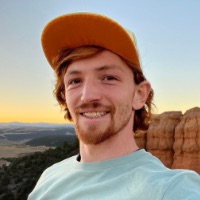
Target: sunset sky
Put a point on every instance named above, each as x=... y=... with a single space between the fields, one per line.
x=168 y=37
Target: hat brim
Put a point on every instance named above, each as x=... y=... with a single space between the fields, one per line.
x=85 y=29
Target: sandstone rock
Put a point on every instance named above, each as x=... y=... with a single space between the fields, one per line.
x=174 y=139
x=160 y=136
x=187 y=141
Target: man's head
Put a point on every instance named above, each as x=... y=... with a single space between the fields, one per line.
x=75 y=37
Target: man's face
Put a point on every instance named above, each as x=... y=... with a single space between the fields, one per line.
x=99 y=94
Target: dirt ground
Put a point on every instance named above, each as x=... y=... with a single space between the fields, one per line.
x=12 y=151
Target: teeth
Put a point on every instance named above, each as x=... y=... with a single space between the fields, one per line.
x=94 y=114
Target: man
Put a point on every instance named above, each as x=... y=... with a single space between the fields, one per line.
x=101 y=87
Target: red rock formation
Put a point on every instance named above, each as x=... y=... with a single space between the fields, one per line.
x=174 y=138
x=160 y=136
x=187 y=141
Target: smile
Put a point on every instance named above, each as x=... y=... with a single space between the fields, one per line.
x=94 y=114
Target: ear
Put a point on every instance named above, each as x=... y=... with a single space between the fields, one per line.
x=141 y=94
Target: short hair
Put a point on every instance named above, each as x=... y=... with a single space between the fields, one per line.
x=66 y=56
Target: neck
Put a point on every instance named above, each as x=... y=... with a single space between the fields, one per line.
x=119 y=145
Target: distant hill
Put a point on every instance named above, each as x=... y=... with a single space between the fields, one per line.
x=23 y=132
x=52 y=140
x=22 y=124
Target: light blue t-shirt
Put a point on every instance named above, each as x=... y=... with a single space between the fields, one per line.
x=136 y=176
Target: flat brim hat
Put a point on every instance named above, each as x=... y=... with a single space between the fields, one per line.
x=88 y=29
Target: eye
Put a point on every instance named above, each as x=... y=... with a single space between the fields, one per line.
x=109 y=78
x=74 y=82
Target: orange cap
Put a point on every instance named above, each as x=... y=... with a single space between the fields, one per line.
x=83 y=29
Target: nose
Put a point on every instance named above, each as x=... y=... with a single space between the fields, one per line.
x=90 y=92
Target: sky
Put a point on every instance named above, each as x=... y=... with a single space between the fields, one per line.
x=168 y=38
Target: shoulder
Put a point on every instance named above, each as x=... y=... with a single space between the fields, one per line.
x=184 y=184
x=152 y=166
x=164 y=182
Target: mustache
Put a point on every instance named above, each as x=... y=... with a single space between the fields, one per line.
x=92 y=105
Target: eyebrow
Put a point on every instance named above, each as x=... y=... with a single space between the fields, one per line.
x=107 y=67
x=72 y=72
x=99 y=69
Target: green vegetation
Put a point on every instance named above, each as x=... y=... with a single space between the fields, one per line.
x=52 y=140
x=19 y=178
